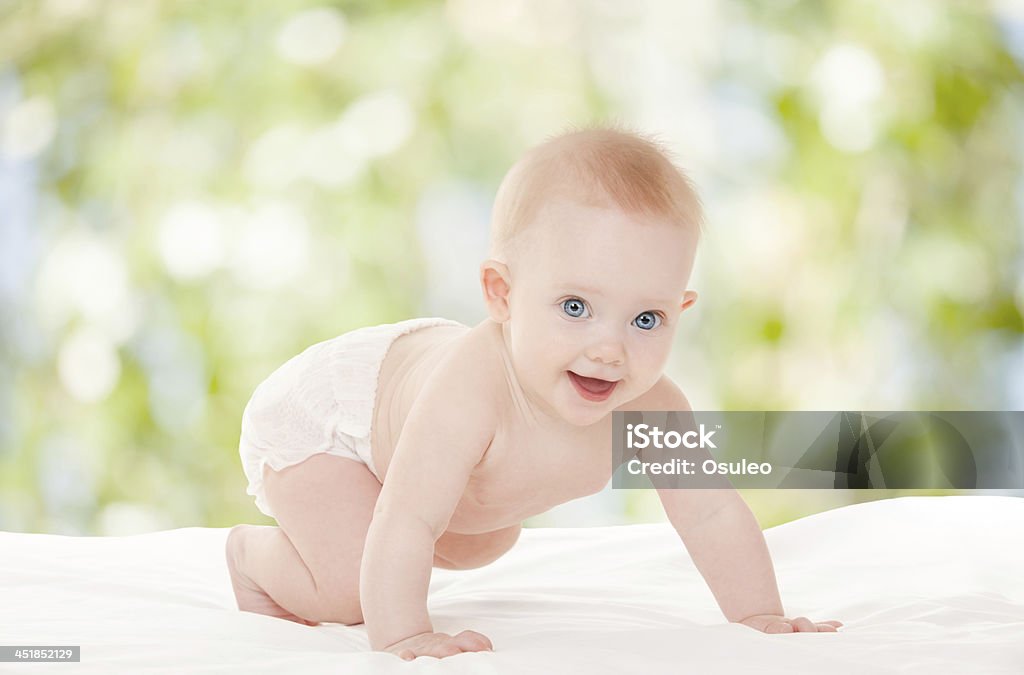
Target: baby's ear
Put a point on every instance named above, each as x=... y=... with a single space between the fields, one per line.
x=689 y=297
x=496 y=285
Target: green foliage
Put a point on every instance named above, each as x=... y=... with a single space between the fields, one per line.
x=871 y=259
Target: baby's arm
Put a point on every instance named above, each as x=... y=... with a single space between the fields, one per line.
x=727 y=546
x=445 y=435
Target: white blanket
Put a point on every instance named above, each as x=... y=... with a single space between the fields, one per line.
x=923 y=584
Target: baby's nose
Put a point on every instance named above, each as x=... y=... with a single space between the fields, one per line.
x=608 y=352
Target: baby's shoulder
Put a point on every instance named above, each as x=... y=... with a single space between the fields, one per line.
x=463 y=384
x=471 y=359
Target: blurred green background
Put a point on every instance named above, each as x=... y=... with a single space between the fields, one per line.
x=191 y=193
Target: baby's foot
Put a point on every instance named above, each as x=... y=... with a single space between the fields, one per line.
x=249 y=596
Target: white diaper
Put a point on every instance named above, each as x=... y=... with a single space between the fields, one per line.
x=319 y=401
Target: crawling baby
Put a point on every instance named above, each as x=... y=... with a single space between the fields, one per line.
x=393 y=449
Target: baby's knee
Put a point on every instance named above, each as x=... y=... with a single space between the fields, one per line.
x=234 y=545
x=463 y=552
x=335 y=604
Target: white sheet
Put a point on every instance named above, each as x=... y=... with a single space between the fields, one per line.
x=924 y=585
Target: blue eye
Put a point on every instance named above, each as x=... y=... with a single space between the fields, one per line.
x=574 y=307
x=647 y=321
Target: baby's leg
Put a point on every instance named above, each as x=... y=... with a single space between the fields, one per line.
x=309 y=566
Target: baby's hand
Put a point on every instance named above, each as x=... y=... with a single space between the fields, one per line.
x=773 y=623
x=440 y=645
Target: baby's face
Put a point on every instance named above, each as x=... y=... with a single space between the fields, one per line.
x=595 y=293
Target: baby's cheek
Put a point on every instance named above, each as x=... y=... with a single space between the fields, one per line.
x=650 y=364
x=651 y=351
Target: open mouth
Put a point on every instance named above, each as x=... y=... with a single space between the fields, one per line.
x=592 y=388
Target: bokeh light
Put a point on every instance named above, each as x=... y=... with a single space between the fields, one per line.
x=192 y=193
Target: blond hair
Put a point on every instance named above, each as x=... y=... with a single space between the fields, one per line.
x=593 y=166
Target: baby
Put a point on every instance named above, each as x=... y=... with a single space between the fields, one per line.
x=393 y=449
